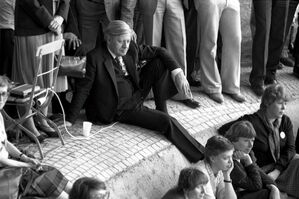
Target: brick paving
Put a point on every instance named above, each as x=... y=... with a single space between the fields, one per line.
x=113 y=150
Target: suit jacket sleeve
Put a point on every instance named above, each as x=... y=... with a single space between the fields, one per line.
x=148 y=53
x=287 y=149
x=63 y=9
x=83 y=87
x=37 y=12
x=72 y=20
x=41 y=14
x=127 y=11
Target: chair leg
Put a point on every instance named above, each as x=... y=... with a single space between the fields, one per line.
x=52 y=124
x=35 y=139
x=18 y=123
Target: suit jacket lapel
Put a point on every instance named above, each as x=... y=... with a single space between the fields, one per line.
x=110 y=68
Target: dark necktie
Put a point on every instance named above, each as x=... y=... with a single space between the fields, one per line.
x=121 y=65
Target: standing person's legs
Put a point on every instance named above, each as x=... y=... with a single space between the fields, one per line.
x=296 y=56
x=175 y=35
x=277 y=37
x=297 y=142
x=175 y=32
x=153 y=24
x=230 y=28
x=262 y=14
x=192 y=44
x=208 y=23
x=90 y=14
x=167 y=125
x=6 y=51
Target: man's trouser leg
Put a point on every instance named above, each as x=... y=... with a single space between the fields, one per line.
x=168 y=126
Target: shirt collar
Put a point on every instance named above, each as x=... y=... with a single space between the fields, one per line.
x=111 y=53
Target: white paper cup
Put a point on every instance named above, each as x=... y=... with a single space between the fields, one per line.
x=86 y=128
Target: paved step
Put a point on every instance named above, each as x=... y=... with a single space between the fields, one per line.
x=139 y=163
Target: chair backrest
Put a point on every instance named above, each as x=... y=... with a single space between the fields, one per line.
x=49 y=49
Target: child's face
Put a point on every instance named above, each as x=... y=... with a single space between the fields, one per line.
x=223 y=161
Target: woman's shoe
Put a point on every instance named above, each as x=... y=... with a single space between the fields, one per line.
x=47 y=129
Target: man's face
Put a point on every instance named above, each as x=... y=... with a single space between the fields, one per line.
x=223 y=161
x=119 y=45
x=3 y=96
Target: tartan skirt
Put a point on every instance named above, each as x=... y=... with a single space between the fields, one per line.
x=48 y=182
x=288 y=181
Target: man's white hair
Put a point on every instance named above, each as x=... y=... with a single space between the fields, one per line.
x=116 y=28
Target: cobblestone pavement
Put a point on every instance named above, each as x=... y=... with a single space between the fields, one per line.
x=111 y=150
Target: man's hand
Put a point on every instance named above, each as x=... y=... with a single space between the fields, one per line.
x=74 y=41
x=274 y=174
x=134 y=36
x=55 y=25
x=182 y=85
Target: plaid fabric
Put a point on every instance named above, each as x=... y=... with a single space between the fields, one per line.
x=42 y=184
x=288 y=181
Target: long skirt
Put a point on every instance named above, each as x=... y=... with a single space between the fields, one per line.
x=288 y=181
x=25 y=62
x=49 y=182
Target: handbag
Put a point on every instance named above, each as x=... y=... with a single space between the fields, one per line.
x=47 y=182
x=9 y=182
x=72 y=66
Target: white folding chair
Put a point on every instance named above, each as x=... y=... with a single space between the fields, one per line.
x=43 y=95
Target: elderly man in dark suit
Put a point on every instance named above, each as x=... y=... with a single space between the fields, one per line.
x=120 y=74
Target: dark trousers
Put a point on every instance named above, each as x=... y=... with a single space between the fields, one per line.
x=156 y=76
x=296 y=55
x=297 y=142
x=262 y=193
x=6 y=51
x=268 y=40
x=296 y=51
x=192 y=47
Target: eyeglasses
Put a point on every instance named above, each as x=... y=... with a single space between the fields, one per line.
x=101 y=194
x=4 y=94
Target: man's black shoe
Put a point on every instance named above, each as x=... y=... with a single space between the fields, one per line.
x=296 y=71
x=194 y=83
x=269 y=81
x=190 y=103
x=287 y=61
